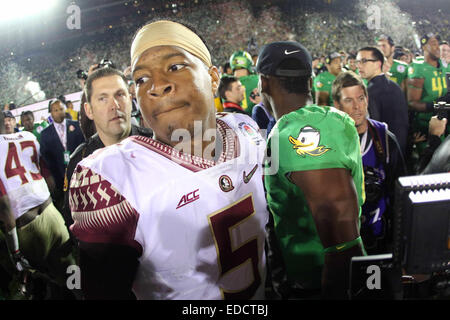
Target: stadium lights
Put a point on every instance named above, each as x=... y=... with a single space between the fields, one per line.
x=11 y=10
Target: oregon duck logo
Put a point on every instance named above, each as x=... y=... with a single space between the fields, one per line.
x=307 y=142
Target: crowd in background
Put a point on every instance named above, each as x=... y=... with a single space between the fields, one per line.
x=233 y=31
x=228 y=26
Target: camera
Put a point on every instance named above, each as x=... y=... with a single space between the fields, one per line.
x=81 y=74
x=373 y=184
x=254 y=95
x=106 y=63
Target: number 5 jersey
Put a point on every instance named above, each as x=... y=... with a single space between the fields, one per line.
x=198 y=225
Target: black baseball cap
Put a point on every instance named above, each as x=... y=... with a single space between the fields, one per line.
x=8 y=114
x=398 y=54
x=385 y=37
x=424 y=39
x=273 y=54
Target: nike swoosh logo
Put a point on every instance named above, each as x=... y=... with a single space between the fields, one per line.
x=250 y=174
x=287 y=52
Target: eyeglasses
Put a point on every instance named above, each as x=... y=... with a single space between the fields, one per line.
x=364 y=61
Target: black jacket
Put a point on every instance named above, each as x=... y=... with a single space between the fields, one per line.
x=387 y=103
x=83 y=151
x=436 y=157
x=52 y=150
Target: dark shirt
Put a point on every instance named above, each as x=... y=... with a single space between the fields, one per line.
x=84 y=150
x=263 y=118
x=387 y=103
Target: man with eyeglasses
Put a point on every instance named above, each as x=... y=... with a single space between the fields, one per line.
x=387 y=102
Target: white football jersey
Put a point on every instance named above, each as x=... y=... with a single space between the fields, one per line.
x=199 y=225
x=20 y=177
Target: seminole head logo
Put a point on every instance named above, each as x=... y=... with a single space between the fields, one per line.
x=307 y=142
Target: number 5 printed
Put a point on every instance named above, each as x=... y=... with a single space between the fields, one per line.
x=231 y=258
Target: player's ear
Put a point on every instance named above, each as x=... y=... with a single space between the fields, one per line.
x=88 y=110
x=336 y=105
x=215 y=78
x=263 y=84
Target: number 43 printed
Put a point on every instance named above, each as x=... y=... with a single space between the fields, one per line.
x=13 y=166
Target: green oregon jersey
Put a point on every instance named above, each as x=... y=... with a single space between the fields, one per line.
x=434 y=86
x=37 y=129
x=250 y=82
x=323 y=82
x=398 y=71
x=310 y=138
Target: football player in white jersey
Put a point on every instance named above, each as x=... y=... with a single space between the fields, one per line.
x=183 y=215
x=34 y=230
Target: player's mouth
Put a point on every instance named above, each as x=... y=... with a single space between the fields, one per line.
x=118 y=118
x=165 y=110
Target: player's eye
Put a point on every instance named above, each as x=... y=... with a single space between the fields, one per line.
x=141 y=80
x=176 y=67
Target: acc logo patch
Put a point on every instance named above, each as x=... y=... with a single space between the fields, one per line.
x=411 y=71
x=319 y=84
x=250 y=132
x=225 y=183
x=307 y=143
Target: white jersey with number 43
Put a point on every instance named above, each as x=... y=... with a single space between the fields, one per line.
x=20 y=177
x=198 y=225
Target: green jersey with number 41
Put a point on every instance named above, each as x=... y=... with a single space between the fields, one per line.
x=309 y=138
x=434 y=86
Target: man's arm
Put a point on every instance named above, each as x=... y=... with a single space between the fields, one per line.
x=414 y=93
x=436 y=128
x=106 y=230
x=107 y=271
x=332 y=198
x=8 y=223
x=6 y=215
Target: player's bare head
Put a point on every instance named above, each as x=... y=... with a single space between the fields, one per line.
x=386 y=45
x=286 y=65
x=174 y=76
x=430 y=45
x=56 y=109
x=350 y=95
x=98 y=74
x=108 y=104
x=27 y=120
x=345 y=80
